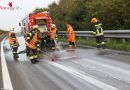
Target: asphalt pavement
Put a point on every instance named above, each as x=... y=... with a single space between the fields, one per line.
x=82 y=69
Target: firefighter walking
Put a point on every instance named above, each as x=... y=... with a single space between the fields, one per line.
x=71 y=36
x=98 y=33
x=34 y=46
x=14 y=44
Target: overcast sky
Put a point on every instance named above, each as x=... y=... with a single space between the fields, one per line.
x=10 y=18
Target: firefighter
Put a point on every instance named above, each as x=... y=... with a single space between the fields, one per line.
x=71 y=36
x=48 y=40
x=14 y=44
x=29 y=36
x=11 y=31
x=34 y=46
x=98 y=33
x=54 y=36
x=43 y=38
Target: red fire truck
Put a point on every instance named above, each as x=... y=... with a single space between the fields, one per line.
x=40 y=19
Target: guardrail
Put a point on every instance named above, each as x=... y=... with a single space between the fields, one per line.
x=121 y=34
x=108 y=34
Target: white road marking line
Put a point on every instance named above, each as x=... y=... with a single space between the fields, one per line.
x=112 y=71
x=89 y=79
x=5 y=73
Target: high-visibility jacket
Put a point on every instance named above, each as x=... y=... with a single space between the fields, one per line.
x=29 y=36
x=71 y=36
x=13 y=41
x=98 y=31
x=34 y=43
x=53 y=33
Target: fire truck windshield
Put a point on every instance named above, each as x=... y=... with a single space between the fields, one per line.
x=41 y=22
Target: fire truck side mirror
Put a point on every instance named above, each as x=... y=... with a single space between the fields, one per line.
x=19 y=24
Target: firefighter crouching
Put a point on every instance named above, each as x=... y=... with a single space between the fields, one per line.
x=54 y=36
x=14 y=44
x=34 y=46
x=71 y=36
x=29 y=36
x=98 y=33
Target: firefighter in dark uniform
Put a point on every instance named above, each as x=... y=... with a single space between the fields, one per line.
x=29 y=36
x=34 y=46
x=98 y=33
x=43 y=38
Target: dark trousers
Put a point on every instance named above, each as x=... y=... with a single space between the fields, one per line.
x=27 y=51
x=72 y=43
x=100 y=40
x=14 y=50
x=49 y=44
x=43 y=44
x=32 y=54
x=52 y=43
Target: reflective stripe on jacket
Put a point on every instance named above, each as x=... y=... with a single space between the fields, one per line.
x=98 y=31
x=13 y=41
x=34 y=43
x=29 y=36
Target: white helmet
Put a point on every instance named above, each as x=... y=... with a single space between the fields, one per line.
x=12 y=29
x=53 y=26
x=35 y=26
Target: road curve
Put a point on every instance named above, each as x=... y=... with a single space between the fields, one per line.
x=82 y=69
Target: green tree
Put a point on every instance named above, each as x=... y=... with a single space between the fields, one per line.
x=114 y=14
x=39 y=10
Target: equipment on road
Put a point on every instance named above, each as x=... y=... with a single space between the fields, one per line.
x=46 y=53
x=57 y=46
x=70 y=50
x=22 y=52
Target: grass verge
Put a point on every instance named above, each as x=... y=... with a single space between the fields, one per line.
x=112 y=44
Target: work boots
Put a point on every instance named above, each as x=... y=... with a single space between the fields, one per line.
x=36 y=60
x=33 y=61
x=70 y=46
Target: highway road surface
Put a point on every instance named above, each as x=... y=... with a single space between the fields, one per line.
x=82 y=69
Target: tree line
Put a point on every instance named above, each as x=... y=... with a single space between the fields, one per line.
x=114 y=14
x=3 y=32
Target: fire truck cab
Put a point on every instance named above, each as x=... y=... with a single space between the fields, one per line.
x=43 y=20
